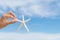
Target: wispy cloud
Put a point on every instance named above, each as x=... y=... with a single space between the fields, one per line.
x=42 y=8
x=29 y=36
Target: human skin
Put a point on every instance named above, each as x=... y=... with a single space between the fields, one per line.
x=4 y=19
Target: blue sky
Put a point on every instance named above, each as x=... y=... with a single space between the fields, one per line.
x=44 y=14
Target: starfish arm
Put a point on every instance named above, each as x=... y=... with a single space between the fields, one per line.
x=27 y=20
x=19 y=27
x=26 y=27
x=23 y=17
x=19 y=20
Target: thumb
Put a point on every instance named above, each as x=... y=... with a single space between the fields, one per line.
x=13 y=21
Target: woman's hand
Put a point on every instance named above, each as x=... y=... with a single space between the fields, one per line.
x=4 y=20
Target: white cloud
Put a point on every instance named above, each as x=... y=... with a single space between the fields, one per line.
x=40 y=8
x=29 y=36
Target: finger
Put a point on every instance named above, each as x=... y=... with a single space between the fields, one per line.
x=11 y=13
x=8 y=16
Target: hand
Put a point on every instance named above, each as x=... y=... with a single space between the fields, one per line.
x=4 y=20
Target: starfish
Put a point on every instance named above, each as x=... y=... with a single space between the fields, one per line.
x=23 y=23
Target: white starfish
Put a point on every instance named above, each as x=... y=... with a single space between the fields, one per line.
x=23 y=23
